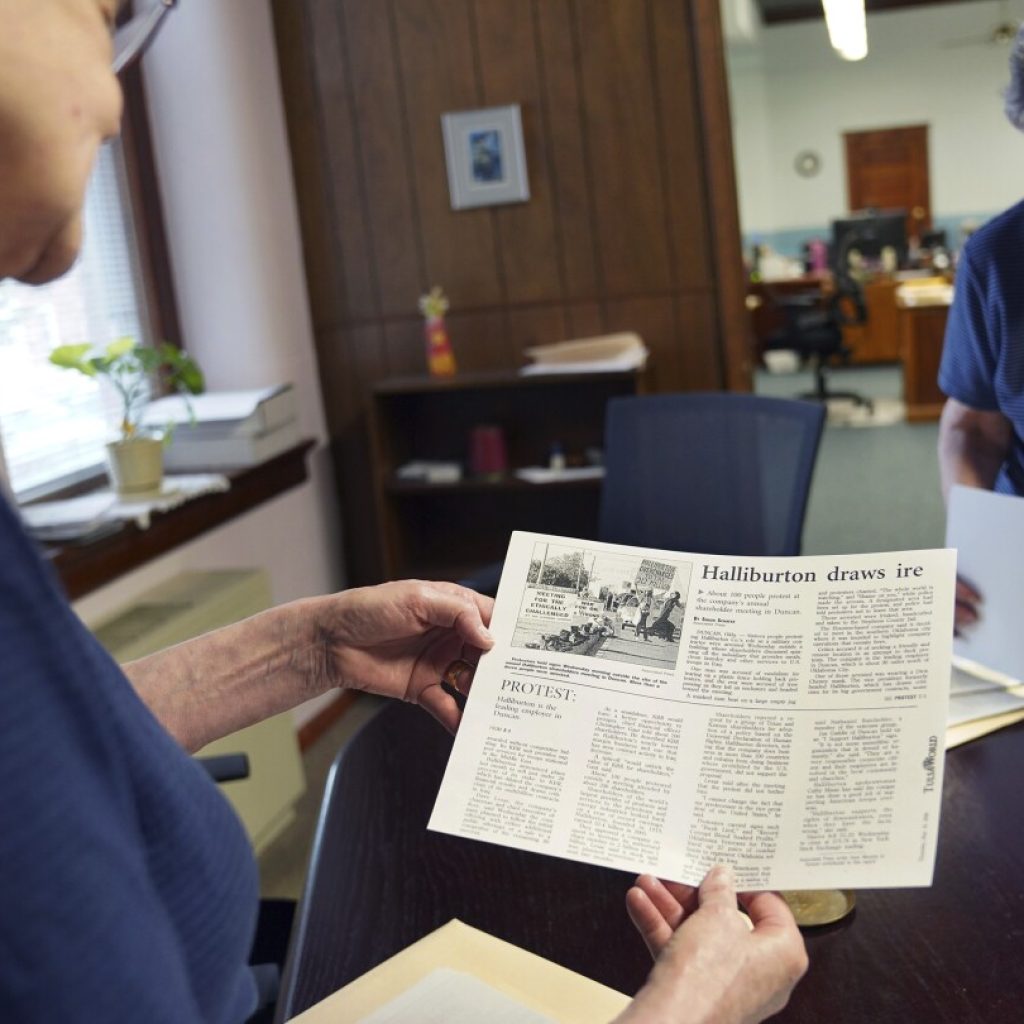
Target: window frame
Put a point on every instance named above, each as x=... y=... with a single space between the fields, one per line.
x=153 y=256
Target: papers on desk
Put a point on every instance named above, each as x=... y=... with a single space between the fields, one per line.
x=459 y=975
x=989 y=656
x=608 y=353
x=94 y=515
x=930 y=291
x=545 y=475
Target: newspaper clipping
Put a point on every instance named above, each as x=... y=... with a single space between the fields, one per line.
x=658 y=711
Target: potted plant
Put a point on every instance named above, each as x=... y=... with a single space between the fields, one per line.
x=135 y=460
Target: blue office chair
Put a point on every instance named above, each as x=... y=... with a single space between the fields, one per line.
x=712 y=473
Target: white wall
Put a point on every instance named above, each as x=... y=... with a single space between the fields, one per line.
x=225 y=173
x=791 y=93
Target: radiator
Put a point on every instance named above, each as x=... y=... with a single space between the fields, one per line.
x=182 y=608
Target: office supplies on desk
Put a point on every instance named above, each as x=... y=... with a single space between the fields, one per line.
x=508 y=977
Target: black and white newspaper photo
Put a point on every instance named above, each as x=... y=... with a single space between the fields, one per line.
x=663 y=711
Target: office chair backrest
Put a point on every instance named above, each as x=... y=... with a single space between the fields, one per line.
x=847 y=303
x=711 y=473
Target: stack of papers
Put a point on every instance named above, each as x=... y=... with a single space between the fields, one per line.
x=608 y=353
x=929 y=291
x=77 y=519
x=546 y=475
x=95 y=515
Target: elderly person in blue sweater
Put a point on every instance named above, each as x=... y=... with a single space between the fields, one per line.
x=128 y=890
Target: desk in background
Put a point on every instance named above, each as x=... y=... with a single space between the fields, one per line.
x=922 y=311
x=378 y=881
x=877 y=340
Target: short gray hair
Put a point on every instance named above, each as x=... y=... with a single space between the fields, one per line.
x=1013 y=96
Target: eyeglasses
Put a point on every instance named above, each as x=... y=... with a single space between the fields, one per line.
x=132 y=38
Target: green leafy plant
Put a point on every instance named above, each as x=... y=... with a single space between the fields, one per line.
x=131 y=368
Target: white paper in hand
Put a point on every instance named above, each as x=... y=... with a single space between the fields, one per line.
x=986 y=529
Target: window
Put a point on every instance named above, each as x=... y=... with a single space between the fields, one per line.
x=54 y=423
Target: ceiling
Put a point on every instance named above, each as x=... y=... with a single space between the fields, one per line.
x=775 y=11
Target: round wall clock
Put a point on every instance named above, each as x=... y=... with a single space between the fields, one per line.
x=807 y=163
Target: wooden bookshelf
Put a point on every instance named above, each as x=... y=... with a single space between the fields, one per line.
x=445 y=530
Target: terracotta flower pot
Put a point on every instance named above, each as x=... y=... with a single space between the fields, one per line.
x=137 y=466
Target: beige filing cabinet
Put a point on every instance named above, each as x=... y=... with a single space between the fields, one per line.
x=185 y=607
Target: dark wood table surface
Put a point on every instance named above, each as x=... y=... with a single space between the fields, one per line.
x=379 y=881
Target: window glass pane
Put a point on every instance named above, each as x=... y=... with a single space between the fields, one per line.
x=55 y=422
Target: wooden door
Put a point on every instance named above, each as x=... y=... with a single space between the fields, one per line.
x=888 y=169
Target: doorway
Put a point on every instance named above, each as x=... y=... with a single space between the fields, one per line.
x=887 y=169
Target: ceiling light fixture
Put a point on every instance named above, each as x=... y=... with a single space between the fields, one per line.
x=847 y=28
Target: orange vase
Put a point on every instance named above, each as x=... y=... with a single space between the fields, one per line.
x=440 y=357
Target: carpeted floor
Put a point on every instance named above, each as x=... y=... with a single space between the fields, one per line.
x=874 y=490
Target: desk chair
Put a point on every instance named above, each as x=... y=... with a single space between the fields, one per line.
x=274 y=922
x=714 y=473
x=815 y=331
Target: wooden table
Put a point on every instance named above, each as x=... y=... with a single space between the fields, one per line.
x=378 y=881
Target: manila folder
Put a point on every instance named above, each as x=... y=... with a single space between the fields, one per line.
x=536 y=983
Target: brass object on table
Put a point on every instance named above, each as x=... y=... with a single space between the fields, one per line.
x=813 y=907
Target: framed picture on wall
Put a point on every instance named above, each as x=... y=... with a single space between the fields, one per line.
x=485 y=157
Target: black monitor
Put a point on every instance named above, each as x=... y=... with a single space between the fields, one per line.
x=869 y=232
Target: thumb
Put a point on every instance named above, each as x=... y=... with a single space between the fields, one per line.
x=459 y=609
x=718 y=888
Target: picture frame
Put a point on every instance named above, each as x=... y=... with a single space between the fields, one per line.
x=485 y=157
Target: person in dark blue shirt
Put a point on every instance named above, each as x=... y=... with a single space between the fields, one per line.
x=981 y=431
x=127 y=887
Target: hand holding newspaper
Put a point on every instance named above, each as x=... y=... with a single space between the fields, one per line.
x=660 y=711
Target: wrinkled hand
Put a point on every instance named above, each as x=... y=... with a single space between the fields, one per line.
x=711 y=963
x=398 y=639
x=966 y=611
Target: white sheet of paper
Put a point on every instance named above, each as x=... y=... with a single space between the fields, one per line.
x=987 y=529
x=966 y=707
x=453 y=997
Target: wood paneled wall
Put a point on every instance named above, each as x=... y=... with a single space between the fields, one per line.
x=632 y=221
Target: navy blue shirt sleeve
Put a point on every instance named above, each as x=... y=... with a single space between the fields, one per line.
x=970 y=352
x=127 y=887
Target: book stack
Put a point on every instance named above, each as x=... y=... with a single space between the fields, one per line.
x=226 y=429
